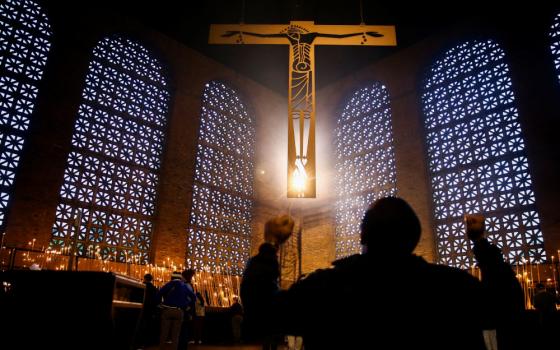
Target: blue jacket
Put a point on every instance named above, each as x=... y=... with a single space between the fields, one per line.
x=177 y=293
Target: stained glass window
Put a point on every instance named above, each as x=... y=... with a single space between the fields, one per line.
x=476 y=155
x=365 y=162
x=24 y=44
x=113 y=168
x=555 y=46
x=222 y=201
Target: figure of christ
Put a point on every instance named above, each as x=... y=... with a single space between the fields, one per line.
x=301 y=106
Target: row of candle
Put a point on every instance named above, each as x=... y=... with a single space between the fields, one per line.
x=218 y=287
x=529 y=275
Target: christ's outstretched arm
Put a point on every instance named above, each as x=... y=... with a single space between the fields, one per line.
x=235 y=32
x=374 y=34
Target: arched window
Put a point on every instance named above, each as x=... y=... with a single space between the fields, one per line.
x=24 y=44
x=365 y=162
x=222 y=201
x=113 y=168
x=477 y=155
x=555 y=46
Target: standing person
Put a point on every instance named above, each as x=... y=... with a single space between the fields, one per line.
x=177 y=297
x=258 y=289
x=501 y=287
x=236 y=312
x=198 y=322
x=188 y=312
x=545 y=303
x=146 y=333
x=415 y=304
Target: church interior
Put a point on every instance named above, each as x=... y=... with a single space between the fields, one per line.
x=130 y=143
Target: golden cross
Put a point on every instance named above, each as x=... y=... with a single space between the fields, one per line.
x=302 y=38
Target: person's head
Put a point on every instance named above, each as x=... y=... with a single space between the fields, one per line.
x=235 y=299
x=148 y=278
x=176 y=275
x=390 y=227
x=268 y=250
x=188 y=274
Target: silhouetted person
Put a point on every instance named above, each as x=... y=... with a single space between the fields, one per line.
x=147 y=329
x=259 y=287
x=544 y=302
x=395 y=299
x=198 y=321
x=500 y=285
x=236 y=312
x=189 y=311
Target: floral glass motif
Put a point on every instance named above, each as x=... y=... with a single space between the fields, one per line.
x=113 y=168
x=555 y=46
x=222 y=201
x=365 y=162
x=477 y=157
x=24 y=44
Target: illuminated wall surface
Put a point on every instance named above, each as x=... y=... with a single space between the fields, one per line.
x=555 y=46
x=365 y=162
x=112 y=171
x=476 y=155
x=24 y=45
x=222 y=202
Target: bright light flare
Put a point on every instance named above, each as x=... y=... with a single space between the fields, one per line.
x=299 y=179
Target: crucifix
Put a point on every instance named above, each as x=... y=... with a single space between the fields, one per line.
x=302 y=36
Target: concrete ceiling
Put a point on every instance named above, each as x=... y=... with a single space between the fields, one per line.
x=188 y=22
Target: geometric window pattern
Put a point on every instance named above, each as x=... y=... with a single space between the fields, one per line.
x=365 y=162
x=555 y=46
x=112 y=170
x=24 y=44
x=477 y=157
x=222 y=201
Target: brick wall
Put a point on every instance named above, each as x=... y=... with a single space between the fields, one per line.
x=536 y=89
x=40 y=176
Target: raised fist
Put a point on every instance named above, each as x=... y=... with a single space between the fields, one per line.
x=474 y=224
x=277 y=230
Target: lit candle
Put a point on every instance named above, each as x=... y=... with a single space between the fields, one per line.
x=532 y=279
x=554 y=275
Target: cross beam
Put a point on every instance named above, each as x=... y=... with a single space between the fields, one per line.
x=302 y=36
